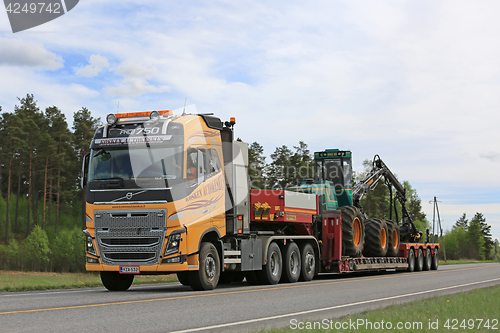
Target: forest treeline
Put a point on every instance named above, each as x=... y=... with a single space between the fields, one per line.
x=42 y=205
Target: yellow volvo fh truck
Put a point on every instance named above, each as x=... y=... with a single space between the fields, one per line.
x=160 y=197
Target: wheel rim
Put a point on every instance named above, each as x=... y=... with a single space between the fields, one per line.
x=420 y=257
x=274 y=263
x=383 y=238
x=210 y=267
x=294 y=263
x=357 y=231
x=395 y=239
x=310 y=262
x=428 y=257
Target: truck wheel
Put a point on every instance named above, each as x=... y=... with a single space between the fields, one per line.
x=427 y=260
x=393 y=243
x=376 y=244
x=411 y=260
x=419 y=263
x=435 y=260
x=292 y=263
x=271 y=272
x=353 y=231
x=207 y=276
x=114 y=281
x=183 y=278
x=308 y=259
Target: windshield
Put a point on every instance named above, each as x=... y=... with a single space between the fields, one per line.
x=133 y=163
x=339 y=171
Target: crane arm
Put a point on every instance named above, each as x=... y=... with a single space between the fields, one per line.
x=408 y=229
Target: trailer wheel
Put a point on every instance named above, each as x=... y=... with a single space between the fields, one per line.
x=114 y=281
x=419 y=263
x=435 y=260
x=308 y=259
x=208 y=274
x=292 y=263
x=376 y=243
x=271 y=272
x=411 y=260
x=183 y=278
x=427 y=260
x=393 y=233
x=353 y=231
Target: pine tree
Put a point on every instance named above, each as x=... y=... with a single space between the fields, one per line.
x=256 y=166
x=84 y=126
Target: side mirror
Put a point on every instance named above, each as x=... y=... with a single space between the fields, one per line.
x=85 y=170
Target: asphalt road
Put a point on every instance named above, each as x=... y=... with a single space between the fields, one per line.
x=235 y=307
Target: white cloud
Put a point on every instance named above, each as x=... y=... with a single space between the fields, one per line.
x=96 y=64
x=135 y=81
x=18 y=52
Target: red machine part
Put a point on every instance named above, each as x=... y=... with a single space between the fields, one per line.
x=282 y=206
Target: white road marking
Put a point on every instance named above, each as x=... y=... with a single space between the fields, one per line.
x=327 y=308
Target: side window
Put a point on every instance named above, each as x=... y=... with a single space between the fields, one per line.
x=212 y=162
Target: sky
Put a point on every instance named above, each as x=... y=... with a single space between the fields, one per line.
x=417 y=82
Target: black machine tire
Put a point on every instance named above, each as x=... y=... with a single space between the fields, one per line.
x=435 y=260
x=419 y=263
x=393 y=235
x=308 y=262
x=114 y=281
x=271 y=272
x=183 y=278
x=353 y=231
x=208 y=273
x=292 y=263
x=427 y=260
x=376 y=243
x=411 y=260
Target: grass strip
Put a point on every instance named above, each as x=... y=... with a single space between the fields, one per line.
x=472 y=311
x=24 y=281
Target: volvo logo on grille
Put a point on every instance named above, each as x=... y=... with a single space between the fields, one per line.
x=129 y=195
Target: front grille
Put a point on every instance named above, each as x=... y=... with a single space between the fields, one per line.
x=127 y=256
x=130 y=241
x=130 y=237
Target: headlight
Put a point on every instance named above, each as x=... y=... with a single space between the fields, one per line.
x=89 y=244
x=173 y=244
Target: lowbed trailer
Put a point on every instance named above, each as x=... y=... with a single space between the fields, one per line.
x=170 y=193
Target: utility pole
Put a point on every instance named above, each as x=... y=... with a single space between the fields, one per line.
x=436 y=209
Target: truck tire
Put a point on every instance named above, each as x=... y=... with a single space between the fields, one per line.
x=393 y=243
x=183 y=278
x=427 y=260
x=271 y=272
x=376 y=243
x=308 y=262
x=411 y=260
x=292 y=263
x=419 y=263
x=208 y=273
x=353 y=231
x=114 y=281
x=435 y=260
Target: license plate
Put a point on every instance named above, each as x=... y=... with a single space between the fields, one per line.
x=129 y=270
